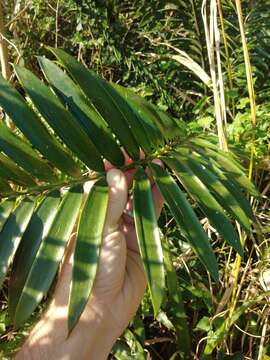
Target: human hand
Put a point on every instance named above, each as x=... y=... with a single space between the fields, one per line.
x=118 y=289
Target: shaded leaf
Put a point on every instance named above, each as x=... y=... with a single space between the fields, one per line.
x=60 y=119
x=186 y=218
x=207 y=202
x=6 y=207
x=104 y=98
x=91 y=121
x=33 y=129
x=24 y=155
x=12 y=232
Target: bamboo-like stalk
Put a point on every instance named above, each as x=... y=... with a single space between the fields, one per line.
x=243 y=237
x=212 y=42
x=5 y=67
x=227 y=53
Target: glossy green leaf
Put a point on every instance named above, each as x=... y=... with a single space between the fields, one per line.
x=121 y=351
x=207 y=202
x=186 y=218
x=33 y=129
x=33 y=236
x=148 y=237
x=220 y=192
x=87 y=250
x=146 y=117
x=6 y=207
x=136 y=348
x=104 y=98
x=12 y=232
x=11 y=171
x=24 y=155
x=48 y=256
x=62 y=121
x=91 y=121
x=229 y=164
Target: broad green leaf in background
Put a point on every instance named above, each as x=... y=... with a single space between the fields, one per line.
x=33 y=236
x=33 y=129
x=62 y=121
x=148 y=237
x=12 y=232
x=104 y=98
x=186 y=218
x=87 y=250
x=91 y=121
x=48 y=256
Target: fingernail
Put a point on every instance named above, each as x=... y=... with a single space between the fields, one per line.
x=113 y=177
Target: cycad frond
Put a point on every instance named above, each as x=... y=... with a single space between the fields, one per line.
x=77 y=123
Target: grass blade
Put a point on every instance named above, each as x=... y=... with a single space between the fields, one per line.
x=87 y=250
x=148 y=237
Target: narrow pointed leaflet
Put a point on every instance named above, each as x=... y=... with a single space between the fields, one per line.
x=87 y=250
x=207 y=202
x=33 y=236
x=12 y=232
x=148 y=237
x=104 y=98
x=92 y=122
x=186 y=218
x=49 y=255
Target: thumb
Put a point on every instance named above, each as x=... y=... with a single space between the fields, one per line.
x=118 y=193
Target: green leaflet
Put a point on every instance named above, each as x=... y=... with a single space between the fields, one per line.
x=5 y=209
x=33 y=129
x=4 y=187
x=146 y=117
x=226 y=179
x=186 y=218
x=12 y=232
x=48 y=256
x=24 y=155
x=62 y=122
x=33 y=236
x=91 y=121
x=148 y=237
x=219 y=191
x=10 y=171
x=207 y=202
x=229 y=164
x=175 y=299
x=87 y=250
x=104 y=98
x=121 y=351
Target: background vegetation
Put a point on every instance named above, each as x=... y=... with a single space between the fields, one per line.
x=141 y=44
